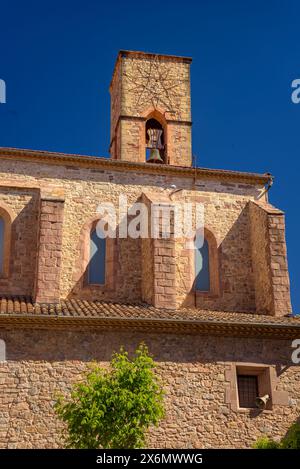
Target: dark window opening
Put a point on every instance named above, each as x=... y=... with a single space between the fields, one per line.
x=155 y=141
x=202 y=281
x=1 y=244
x=247 y=390
x=96 y=267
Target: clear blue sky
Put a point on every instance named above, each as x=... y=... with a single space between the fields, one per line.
x=57 y=58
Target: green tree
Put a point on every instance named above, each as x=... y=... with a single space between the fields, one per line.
x=292 y=438
x=113 y=408
x=265 y=443
x=290 y=441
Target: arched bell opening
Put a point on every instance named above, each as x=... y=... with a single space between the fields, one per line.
x=155 y=142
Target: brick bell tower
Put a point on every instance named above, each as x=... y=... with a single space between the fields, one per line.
x=151 y=109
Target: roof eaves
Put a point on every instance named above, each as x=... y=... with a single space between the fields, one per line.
x=47 y=157
x=159 y=325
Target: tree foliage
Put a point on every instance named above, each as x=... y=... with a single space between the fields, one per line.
x=266 y=443
x=290 y=441
x=113 y=408
x=292 y=438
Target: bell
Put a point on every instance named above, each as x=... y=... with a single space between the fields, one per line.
x=261 y=402
x=155 y=145
x=155 y=138
x=155 y=156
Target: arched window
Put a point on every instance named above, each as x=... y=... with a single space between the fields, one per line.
x=6 y=219
x=2 y=351
x=155 y=141
x=97 y=260
x=202 y=268
x=207 y=270
x=2 y=228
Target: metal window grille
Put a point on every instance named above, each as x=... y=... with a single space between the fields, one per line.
x=248 y=390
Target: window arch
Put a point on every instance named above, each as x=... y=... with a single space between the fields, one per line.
x=6 y=218
x=2 y=351
x=155 y=137
x=97 y=259
x=86 y=278
x=2 y=229
x=202 y=268
x=206 y=265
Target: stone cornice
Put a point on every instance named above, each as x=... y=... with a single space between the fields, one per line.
x=202 y=327
x=143 y=119
x=152 y=55
x=83 y=161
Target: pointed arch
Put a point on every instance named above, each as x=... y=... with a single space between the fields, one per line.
x=155 y=118
x=6 y=220
x=90 y=277
x=2 y=351
x=206 y=266
x=96 y=270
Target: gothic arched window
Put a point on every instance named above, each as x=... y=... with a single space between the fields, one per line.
x=97 y=259
x=206 y=264
x=2 y=228
x=202 y=268
x=155 y=141
x=2 y=351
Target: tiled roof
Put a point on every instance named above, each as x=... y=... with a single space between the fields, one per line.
x=20 y=311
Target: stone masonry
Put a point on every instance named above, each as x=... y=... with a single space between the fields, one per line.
x=49 y=201
x=150 y=85
x=269 y=259
x=47 y=287
x=42 y=364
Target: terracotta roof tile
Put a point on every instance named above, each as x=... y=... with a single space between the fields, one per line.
x=19 y=311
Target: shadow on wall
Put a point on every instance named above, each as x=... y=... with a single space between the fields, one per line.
x=20 y=245
x=74 y=345
x=235 y=276
x=124 y=270
x=123 y=267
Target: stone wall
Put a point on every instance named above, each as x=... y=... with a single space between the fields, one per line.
x=269 y=260
x=21 y=205
x=193 y=370
x=226 y=216
x=48 y=270
x=228 y=221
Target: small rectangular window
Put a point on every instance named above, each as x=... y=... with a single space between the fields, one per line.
x=247 y=390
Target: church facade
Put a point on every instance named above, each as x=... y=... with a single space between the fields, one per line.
x=222 y=334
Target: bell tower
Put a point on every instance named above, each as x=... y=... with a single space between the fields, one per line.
x=151 y=109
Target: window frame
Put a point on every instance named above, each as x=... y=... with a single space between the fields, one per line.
x=208 y=268
x=2 y=351
x=91 y=284
x=255 y=378
x=7 y=217
x=267 y=384
x=214 y=268
x=81 y=285
x=158 y=115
